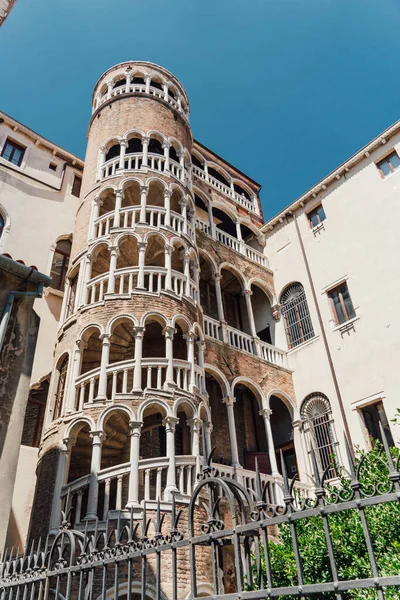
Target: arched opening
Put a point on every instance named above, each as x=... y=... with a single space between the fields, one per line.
x=138 y=78
x=179 y=343
x=60 y=374
x=250 y=430
x=107 y=204
x=59 y=266
x=91 y=356
x=218 y=176
x=155 y=194
x=241 y=191
x=282 y=433
x=131 y=197
x=175 y=201
x=135 y=144
x=154 y=371
x=224 y=222
x=100 y=260
x=173 y=92
x=122 y=348
x=262 y=312
x=155 y=251
x=113 y=152
x=220 y=439
x=318 y=422
x=174 y=152
x=125 y=281
x=153 y=445
x=208 y=294
x=233 y=300
x=177 y=257
x=156 y=83
x=201 y=209
x=296 y=315
x=198 y=162
x=182 y=432
x=155 y=146
x=79 y=466
x=119 y=82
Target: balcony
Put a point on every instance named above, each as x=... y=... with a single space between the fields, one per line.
x=244 y=342
x=155 y=162
x=231 y=242
x=250 y=205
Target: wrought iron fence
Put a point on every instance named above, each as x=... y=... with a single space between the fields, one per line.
x=229 y=543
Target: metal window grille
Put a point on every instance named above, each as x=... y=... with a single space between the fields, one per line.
x=223 y=534
x=298 y=325
x=318 y=425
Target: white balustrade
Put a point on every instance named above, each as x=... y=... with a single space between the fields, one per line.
x=97 y=288
x=203 y=226
x=212 y=328
x=273 y=354
x=228 y=240
x=156 y=162
x=240 y=340
x=255 y=256
x=225 y=189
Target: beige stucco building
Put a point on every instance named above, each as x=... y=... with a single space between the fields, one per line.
x=177 y=321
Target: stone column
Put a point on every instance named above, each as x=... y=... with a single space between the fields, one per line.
x=168 y=265
x=195 y=429
x=266 y=414
x=190 y=338
x=97 y=202
x=143 y=203
x=196 y=278
x=98 y=438
x=88 y=275
x=201 y=346
x=102 y=160
x=145 y=142
x=137 y=373
x=133 y=496
x=170 y=424
x=211 y=220
x=128 y=82
x=61 y=479
x=183 y=203
x=148 y=81
x=229 y=402
x=117 y=211
x=141 y=260
x=186 y=272
x=113 y=265
x=105 y=359
x=218 y=293
x=169 y=333
x=181 y=156
x=67 y=291
x=123 y=146
x=249 y=307
x=76 y=367
x=167 y=206
x=109 y=89
x=166 y=147
x=165 y=87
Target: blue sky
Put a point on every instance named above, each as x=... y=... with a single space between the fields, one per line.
x=284 y=89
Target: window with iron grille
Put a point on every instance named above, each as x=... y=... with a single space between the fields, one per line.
x=62 y=378
x=60 y=264
x=13 y=152
x=72 y=297
x=318 y=427
x=294 y=307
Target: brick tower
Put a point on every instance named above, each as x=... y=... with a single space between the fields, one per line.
x=168 y=329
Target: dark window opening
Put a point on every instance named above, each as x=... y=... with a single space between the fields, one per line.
x=156 y=84
x=76 y=186
x=2 y=224
x=119 y=83
x=60 y=393
x=138 y=79
x=373 y=415
x=134 y=145
x=217 y=175
x=224 y=222
x=197 y=163
x=316 y=216
x=265 y=335
x=341 y=303
x=53 y=166
x=389 y=164
x=72 y=297
x=60 y=264
x=113 y=152
x=239 y=190
x=13 y=152
x=34 y=415
x=173 y=154
x=155 y=147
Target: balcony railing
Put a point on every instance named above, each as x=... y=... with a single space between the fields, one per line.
x=244 y=342
x=155 y=280
x=250 y=205
x=155 y=217
x=155 y=162
x=120 y=378
x=231 y=242
x=114 y=482
x=140 y=88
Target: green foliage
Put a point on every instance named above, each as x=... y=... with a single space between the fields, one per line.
x=347 y=536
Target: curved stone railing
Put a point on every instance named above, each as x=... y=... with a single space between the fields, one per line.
x=136 y=162
x=250 y=205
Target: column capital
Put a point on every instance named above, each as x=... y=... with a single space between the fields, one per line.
x=201 y=345
x=190 y=336
x=247 y=293
x=169 y=331
x=67 y=443
x=135 y=427
x=168 y=249
x=229 y=400
x=217 y=276
x=105 y=337
x=114 y=250
x=262 y=240
x=144 y=188
x=183 y=202
x=276 y=311
x=98 y=201
x=88 y=257
x=195 y=424
x=166 y=145
x=142 y=246
x=124 y=143
x=146 y=139
x=170 y=423
x=167 y=193
x=266 y=413
x=139 y=332
x=80 y=345
x=98 y=437
x=119 y=193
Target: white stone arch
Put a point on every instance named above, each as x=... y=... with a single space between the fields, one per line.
x=220 y=377
x=203 y=406
x=60 y=238
x=150 y=180
x=157 y=134
x=228 y=210
x=265 y=288
x=229 y=267
x=109 y=142
x=159 y=402
x=106 y=187
x=7 y=226
x=159 y=234
x=186 y=401
x=252 y=385
x=243 y=185
x=209 y=259
x=84 y=420
x=202 y=194
x=179 y=241
x=90 y=328
x=176 y=143
x=126 y=181
x=287 y=285
x=198 y=331
x=286 y=399
x=114 y=320
x=181 y=317
x=125 y=234
x=109 y=410
x=96 y=245
x=131 y=133
x=199 y=156
x=220 y=170
x=162 y=319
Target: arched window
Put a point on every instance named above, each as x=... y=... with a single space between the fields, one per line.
x=295 y=311
x=318 y=426
x=60 y=264
x=60 y=393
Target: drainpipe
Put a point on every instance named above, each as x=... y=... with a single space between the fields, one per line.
x=324 y=338
x=8 y=308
